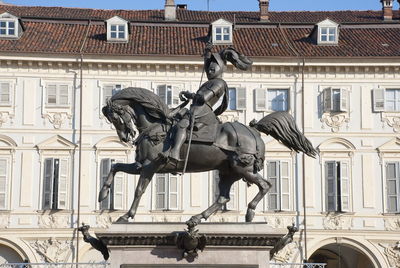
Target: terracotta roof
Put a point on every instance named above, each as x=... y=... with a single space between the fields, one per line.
x=195 y=16
x=160 y=39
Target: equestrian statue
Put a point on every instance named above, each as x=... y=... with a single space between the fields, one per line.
x=182 y=140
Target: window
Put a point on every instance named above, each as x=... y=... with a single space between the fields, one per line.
x=272 y=99
x=55 y=183
x=117 y=29
x=169 y=94
x=115 y=198
x=109 y=91
x=386 y=100
x=5 y=93
x=393 y=187
x=337 y=186
x=279 y=195
x=4 y=179
x=327 y=32
x=166 y=191
x=7 y=28
x=221 y=31
x=57 y=95
x=237 y=98
x=232 y=204
x=335 y=99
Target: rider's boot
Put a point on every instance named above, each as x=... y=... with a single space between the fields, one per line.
x=180 y=137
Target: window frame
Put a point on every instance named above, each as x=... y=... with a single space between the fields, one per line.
x=380 y=99
x=397 y=184
x=6 y=156
x=171 y=94
x=329 y=101
x=240 y=98
x=117 y=21
x=262 y=95
x=10 y=93
x=118 y=179
x=222 y=24
x=167 y=192
x=279 y=188
x=7 y=28
x=58 y=95
x=327 y=24
x=115 y=88
x=338 y=184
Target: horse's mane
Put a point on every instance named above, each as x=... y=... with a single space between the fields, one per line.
x=153 y=104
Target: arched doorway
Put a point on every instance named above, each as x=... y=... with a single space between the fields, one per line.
x=341 y=256
x=9 y=255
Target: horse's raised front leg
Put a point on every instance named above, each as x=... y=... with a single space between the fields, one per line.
x=224 y=186
x=133 y=168
x=263 y=186
x=146 y=175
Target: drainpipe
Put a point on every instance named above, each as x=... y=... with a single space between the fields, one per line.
x=80 y=141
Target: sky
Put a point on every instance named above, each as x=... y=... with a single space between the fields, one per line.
x=214 y=5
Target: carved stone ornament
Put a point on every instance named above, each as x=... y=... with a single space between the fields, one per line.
x=5 y=117
x=279 y=222
x=57 y=119
x=335 y=121
x=52 y=250
x=337 y=222
x=392 y=224
x=286 y=254
x=191 y=241
x=103 y=221
x=54 y=221
x=392 y=253
x=392 y=120
x=4 y=221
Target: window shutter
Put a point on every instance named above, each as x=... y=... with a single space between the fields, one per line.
x=331 y=185
x=5 y=94
x=285 y=185
x=327 y=99
x=162 y=93
x=344 y=100
x=241 y=98
x=51 y=94
x=392 y=187
x=344 y=187
x=232 y=98
x=118 y=189
x=3 y=183
x=48 y=183
x=63 y=95
x=272 y=174
x=62 y=184
x=107 y=93
x=379 y=99
x=261 y=99
x=105 y=166
x=173 y=192
x=175 y=95
x=161 y=188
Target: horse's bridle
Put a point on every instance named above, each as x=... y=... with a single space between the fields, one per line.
x=125 y=114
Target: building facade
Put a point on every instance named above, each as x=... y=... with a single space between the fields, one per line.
x=337 y=73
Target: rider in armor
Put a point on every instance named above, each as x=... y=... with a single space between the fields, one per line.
x=208 y=95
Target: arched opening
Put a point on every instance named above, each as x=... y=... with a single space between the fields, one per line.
x=8 y=255
x=341 y=256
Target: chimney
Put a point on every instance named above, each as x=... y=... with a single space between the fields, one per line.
x=387 y=7
x=264 y=6
x=181 y=6
x=170 y=10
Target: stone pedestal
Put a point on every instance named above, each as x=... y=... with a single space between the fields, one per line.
x=153 y=245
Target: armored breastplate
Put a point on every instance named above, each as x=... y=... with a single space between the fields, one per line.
x=217 y=86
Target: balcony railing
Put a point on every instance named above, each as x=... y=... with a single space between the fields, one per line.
x=55 y=265
x=297 y=265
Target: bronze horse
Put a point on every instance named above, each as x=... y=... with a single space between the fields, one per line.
x=237 y=153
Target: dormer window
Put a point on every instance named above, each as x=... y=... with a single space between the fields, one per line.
x=222 y=32
x=117 y=30
x=328 y=33
x=9 y=26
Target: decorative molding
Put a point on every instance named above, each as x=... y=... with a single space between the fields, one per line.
x=104 y=221
x=335 y=121
x=52 y=250
x=392 y=120
x=166 y=218
x=392 y=253
x=54 y=221
x=392 y=224
x=5 y=117
x=279 y=222
x=286 y=254
x=337 y=222
x=4 y=221
x=57 y=118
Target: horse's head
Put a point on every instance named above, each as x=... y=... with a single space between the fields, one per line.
x=122 y=116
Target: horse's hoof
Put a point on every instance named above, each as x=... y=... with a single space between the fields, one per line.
x=193 y=222
x=103 y=193
x=250 y=215
x=123 y=219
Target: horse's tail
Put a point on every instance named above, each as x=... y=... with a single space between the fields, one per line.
x=282 y=127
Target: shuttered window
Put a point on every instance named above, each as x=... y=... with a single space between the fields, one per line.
x=5 y=93
x=109 y=90
x=57 y=95
x=4 y=178
x=55 y=183
x=237 y=98
x=393 y=187
x=273 y=100
x=337 y=186
x=386 y=100
x=114 y=200
x=278 y=198
x=169 y=94
x=167 y=192
x=336 y=100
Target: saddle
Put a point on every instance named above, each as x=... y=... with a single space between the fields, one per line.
x=206 y=133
